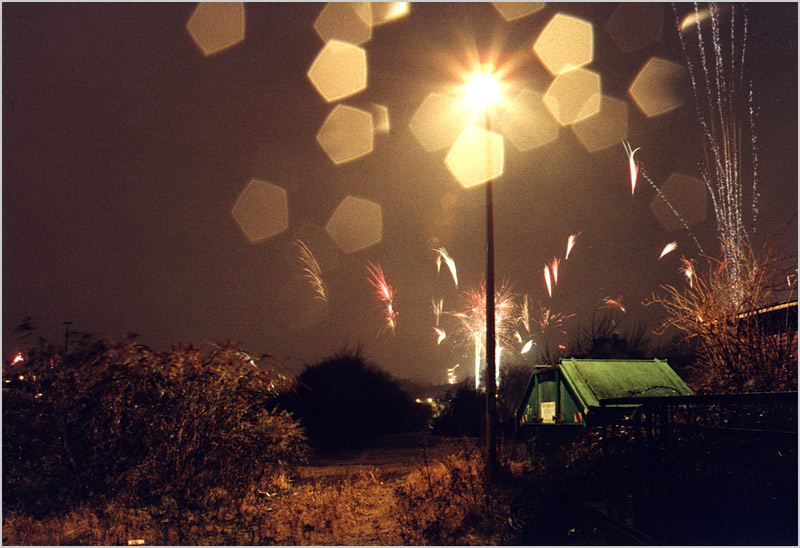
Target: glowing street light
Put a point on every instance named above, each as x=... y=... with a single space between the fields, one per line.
x=482 y=91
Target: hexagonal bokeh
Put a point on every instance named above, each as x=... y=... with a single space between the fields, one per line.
x=689 y=198
x=341 y=21
x=607 y=128
x=356 y=224
x=574 y=96
x=346 y=134
x=527 y=123
x=660 y=87
x=512 y=11
x=476 y=157
x=339 y=70
x=439 y=121
x=215 y=26
x=378 y=13
x=566 y=43
x=261 y=210
x=636 y=25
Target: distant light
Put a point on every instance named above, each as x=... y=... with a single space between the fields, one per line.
x=688 y=196
x=574 y=96
x=512 y=11
x=215 y=26
x=18 y=358
x=607 y=128
x=438 y=121
x=566 y=43
x=476 y=157
x=347 y=134
x=261 y=210
x=378 y=13
x=635 y=25
x=356 y=224
x=527 y=123
x=339 y=70
x=22 y=377
x=342 y=21
x=660 y=87
x=481 y=90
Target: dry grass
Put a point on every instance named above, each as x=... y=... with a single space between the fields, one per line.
x=442 y=500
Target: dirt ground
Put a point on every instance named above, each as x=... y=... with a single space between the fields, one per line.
x=393 y=455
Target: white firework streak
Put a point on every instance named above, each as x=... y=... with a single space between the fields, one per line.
x=634 y=167
x=441 y=334
x=312 y=270
x=669 y=248
x=547 y=281
x=717 y=100
x=571 y=244
x=437 y=309
x=442 y=255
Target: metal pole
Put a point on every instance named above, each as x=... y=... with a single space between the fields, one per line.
x=491 y=383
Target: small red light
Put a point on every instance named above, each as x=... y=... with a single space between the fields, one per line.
x=578 y=417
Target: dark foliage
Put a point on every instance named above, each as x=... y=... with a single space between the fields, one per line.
x=346 y=402
x=463 y=413
x=116 y=419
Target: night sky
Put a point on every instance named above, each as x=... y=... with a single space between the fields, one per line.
x=125 y=150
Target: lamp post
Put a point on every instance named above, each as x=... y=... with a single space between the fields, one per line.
x=482 y=90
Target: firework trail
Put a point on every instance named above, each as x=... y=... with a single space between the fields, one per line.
x=451 y=374
x=674 y=211
x=551 y=275
x=669 y=248
x=437 y=309
x=525 y=316
x=441 y=334
x=385 y=294
x=719 y=95
x=687 y=268
x=442 y=255
x=547 y=281
x=554 y=269
x=571 y=243
x=634 y=167
x=610 y=303
x=527 y=347
x=313 y=272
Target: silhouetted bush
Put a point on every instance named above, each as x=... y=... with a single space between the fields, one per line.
x=346 y=402
x=118 y=419
x=463 y=413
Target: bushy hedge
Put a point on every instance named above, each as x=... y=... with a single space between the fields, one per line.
x=346 y=402
x=116 y=419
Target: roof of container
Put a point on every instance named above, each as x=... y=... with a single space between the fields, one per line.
x=595 y=380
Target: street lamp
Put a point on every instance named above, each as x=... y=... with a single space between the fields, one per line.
x=481 y=91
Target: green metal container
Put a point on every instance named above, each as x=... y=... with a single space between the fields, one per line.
x=561 y=400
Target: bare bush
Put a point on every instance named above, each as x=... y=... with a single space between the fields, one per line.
x=450 y=502
x=744 y=343
x=118 y=420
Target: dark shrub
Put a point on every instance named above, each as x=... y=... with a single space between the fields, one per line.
x=463 y=413
x=118 y=419
x=345 y=402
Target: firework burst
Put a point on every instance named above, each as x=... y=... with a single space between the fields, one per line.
x=385 y=294
x=313 y=272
